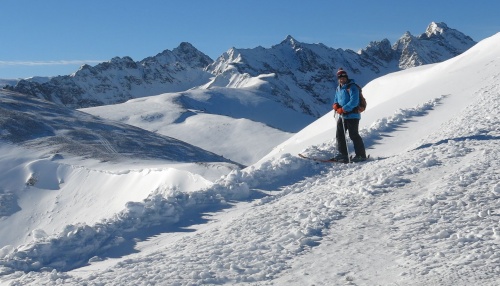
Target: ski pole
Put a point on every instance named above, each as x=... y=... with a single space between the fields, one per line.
x=345 y=136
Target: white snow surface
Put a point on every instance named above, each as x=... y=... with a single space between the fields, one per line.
x=423 y=211
x=239 y=124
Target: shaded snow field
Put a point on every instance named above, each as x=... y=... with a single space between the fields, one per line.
x=426 y=213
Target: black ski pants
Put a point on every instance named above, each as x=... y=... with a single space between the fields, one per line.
x=351 y=126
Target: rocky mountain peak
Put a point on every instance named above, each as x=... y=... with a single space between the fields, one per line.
x=436 y=29
x=379 y=49
x=289 y=42
x=189 y=54
x=438 y=43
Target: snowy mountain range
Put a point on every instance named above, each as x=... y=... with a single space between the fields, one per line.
x=423 y=211
x=298 y=75
x=235 y=97
x=121 y=79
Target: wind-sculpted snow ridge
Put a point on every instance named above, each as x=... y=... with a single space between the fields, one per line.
x=167 y=206
x=83 y=243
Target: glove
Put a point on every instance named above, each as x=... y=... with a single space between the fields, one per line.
x=335 y=106
x=340 y=110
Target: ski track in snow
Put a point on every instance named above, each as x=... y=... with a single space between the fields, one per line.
x=105 y=143
x=406 y=239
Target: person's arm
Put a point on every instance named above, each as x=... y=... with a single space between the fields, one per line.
x=353 y=102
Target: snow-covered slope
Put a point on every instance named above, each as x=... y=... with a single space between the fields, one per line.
x=242 y=125
x=52 y=157
x=41 y=124
x=423 y=212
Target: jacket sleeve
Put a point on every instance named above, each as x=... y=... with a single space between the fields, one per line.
x=353 y=98
x=335 y=96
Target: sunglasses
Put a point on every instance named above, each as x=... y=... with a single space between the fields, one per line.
x=342 y=75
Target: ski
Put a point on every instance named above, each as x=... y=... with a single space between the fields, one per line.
x=330 y=160
x=366 y=159
x=320 y=160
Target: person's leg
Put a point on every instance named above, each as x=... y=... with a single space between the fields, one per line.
x=359 y=147
x=341 y=144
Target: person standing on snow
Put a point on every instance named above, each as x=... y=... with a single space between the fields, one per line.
x=346 y=103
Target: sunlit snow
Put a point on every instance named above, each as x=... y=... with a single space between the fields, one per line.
x=423 y=211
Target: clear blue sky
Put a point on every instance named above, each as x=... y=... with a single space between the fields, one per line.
x=54 y=37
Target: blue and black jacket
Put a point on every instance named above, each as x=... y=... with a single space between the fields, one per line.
x=348 y=100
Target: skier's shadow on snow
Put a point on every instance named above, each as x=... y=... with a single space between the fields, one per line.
x=459 y=139
x=372 y=140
